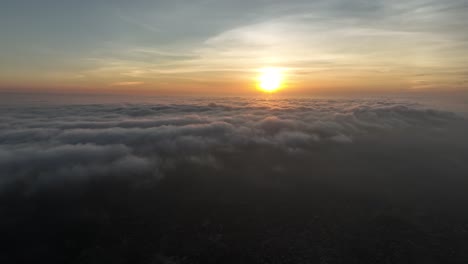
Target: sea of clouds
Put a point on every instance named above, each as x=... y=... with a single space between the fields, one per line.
x=354 y=142
x=249 y=180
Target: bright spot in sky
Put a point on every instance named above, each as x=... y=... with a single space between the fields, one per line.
x=270 y=79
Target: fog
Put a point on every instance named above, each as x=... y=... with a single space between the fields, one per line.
x=230 y=179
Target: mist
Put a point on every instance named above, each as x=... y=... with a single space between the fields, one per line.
x=234 y=179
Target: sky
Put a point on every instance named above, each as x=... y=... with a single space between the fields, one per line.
x=219 y=47
x=101 y=163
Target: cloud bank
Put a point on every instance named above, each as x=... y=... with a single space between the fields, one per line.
x=51 y=144
x=248 y=180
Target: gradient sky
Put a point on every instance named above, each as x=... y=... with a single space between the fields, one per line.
x=218 y=46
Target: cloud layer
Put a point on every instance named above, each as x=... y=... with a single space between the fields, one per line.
x=47 y=145
x=233 y=180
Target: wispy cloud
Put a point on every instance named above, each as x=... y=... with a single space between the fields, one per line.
x=127 y=83
x=361 y=44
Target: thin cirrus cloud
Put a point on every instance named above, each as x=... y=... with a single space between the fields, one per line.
x=332 y=44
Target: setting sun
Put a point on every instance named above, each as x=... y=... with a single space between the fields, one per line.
x=270 y=79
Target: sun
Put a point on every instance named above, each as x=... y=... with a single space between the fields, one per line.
x=270 y=79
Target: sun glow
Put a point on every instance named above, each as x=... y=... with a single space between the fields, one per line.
x=270 y=80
